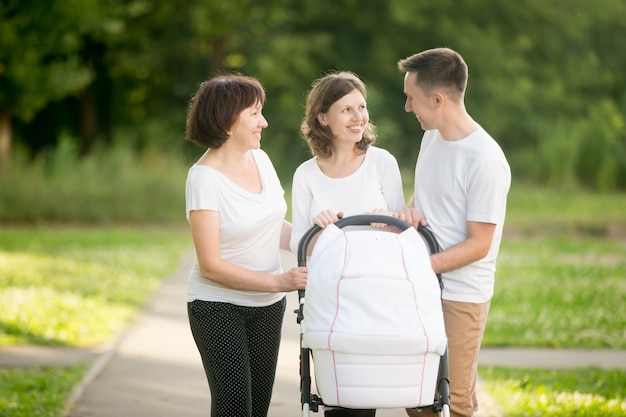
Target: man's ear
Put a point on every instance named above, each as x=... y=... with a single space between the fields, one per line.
x=438 y=98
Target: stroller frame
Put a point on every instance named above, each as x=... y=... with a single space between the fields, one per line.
x=310 y=401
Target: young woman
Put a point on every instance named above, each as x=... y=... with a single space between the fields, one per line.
x=347 y=175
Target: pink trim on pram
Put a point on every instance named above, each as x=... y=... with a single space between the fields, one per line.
x=373 y=319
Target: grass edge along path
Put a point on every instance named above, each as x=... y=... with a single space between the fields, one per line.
x=38 y=391
x=133 y=261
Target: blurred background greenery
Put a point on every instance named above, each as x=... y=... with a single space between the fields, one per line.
x=93 y=99
x=94 y=94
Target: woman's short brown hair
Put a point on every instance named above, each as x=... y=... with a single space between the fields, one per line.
x=324 y=92
x=216 y=106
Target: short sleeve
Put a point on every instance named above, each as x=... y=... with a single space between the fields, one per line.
x=201 y=190
x=301 y=199
x=488 y=188
x=392 y=183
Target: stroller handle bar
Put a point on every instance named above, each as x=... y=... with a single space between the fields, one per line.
x=365 y=220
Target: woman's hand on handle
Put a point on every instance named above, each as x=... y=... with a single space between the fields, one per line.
x=326 y=217
x=294 y=279
x=382 y=212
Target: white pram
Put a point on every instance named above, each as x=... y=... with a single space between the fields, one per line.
x=373 y=321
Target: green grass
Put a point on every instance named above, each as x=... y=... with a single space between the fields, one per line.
x=73 y=286
x=37 y=392
x=559 y=281
x=79 y=287
x=559 y=292
x=536 y=211
x=587 y=392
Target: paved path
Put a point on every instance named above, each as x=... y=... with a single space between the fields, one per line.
x=153 y=368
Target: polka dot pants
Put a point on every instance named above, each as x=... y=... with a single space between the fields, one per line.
x=239 y=350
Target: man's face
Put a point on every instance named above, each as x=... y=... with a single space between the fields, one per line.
x=417 y=102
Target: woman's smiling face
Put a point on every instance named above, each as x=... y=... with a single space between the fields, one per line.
x=247 y=129
x=347 y=117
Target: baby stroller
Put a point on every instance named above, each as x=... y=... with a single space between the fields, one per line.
x=373 y=322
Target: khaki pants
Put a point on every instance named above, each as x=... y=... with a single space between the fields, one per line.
x=465 y=324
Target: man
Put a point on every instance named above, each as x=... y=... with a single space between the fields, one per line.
x=462 y=179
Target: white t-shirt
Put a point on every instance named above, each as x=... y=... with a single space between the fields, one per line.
x=250 y=227
x=376 y=184
x=457 y=182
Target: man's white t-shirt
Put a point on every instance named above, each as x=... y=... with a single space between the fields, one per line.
x=250 y=227
x=457 y=182
x=376 y=184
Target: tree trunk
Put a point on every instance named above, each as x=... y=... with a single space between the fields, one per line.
x=218 y=56
x=5 y=139
x=88 y=121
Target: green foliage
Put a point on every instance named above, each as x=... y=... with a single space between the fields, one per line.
x=37 y=392
x=554 y=162
x=79 y=287
x=540 y=72
x=40 y=44
x=589 y=151
x=571 y=211
x=112 y=185
x=585 y=392
x=601 y=158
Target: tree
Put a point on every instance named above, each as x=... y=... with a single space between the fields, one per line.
x=40 y=43
x=130 y=66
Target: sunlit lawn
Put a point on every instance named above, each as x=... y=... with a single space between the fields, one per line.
x=559 y=292
x=549 y=393
x=560 y=283
x=37 y=392
x=73 y=286
x=76 y=286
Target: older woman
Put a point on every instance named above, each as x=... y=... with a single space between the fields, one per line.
x=236 y=209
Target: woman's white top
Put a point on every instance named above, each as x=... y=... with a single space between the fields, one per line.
x=250 y=228
x=376 y=184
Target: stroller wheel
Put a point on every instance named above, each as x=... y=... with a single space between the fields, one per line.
x=348 y=412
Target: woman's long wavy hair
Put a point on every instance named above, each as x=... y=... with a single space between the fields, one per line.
x=324 y=92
